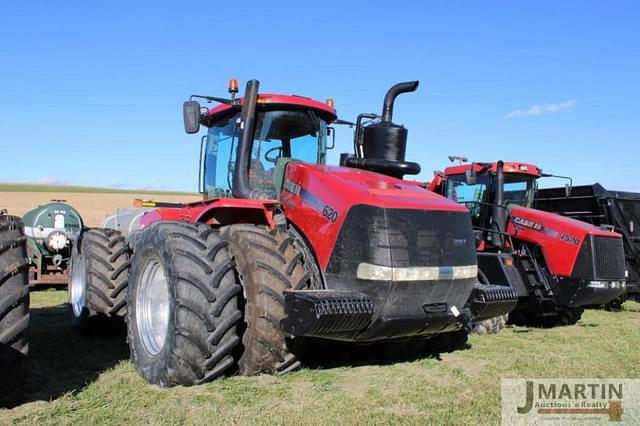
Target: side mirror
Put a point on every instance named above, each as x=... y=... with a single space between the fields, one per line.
x=331 y=132
x=191 y=115
x=470 y=176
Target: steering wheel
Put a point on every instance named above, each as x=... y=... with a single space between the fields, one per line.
x=270 y=157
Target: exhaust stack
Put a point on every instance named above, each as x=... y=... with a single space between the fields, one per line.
x=499 y=215
x=392 y=94
x=241 y=187
x=386 y=140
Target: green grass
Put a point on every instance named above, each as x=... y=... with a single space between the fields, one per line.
x=90 y=381
x=27 y=187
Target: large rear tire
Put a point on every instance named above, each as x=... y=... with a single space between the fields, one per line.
x=268 y=263
x=98 y=282
x=14 y=310
x=183 y=305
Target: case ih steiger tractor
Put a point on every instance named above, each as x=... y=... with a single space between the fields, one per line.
x=616 y=210
x=281 y=248
x=14 y=309
x=557 y=265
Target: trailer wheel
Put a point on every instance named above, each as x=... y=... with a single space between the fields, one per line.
x=183 y=305
x=14 y=310
x=491 y=325
x=268 y=263
x=98 y=282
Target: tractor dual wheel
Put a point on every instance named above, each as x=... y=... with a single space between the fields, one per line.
x=14 y=309
x=98 y=282
x=183 y=305
x=206 y=302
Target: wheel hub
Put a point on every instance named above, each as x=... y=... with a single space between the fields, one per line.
x=152 y=307
x=78 y=286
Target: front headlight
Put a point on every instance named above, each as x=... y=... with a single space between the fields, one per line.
x=606 y=284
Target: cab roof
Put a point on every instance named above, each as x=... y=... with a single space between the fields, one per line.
x=509 y=167
x=274 y=101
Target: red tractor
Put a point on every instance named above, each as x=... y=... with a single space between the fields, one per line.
x=282 y=247
x=556 y=264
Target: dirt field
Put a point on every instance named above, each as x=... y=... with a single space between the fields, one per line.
x=93 y=207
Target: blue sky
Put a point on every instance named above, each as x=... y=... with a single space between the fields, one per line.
x=91 y=92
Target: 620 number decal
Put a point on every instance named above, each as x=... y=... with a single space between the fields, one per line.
x=330 y=214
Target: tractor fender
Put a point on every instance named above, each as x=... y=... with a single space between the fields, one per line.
x=217 y=212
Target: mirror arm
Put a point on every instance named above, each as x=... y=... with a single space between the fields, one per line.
x=212 y=99
x=331 y=132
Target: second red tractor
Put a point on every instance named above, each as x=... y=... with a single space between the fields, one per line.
x=557 y=265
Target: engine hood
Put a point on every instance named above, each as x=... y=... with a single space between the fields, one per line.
x=317 y=199
x=559 y=237
x=363 y=187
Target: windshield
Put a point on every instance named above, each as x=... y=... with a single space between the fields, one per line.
x=519 y=189
x=280 y=136
x=471 y=195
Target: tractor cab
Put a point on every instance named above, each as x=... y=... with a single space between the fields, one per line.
x=281 y=129
x=476 y=186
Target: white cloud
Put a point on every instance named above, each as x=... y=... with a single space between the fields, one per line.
x=543 y=109
x=52 y=180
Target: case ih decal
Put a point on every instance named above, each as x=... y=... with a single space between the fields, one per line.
x=527 y=223
x=570 y=239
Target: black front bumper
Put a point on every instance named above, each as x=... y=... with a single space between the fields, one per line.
x=489 y=301
x=355 y=316
x=575 y=293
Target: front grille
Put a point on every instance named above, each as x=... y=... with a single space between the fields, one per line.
x=608 y=257
x=600 y=258
x=402 y=238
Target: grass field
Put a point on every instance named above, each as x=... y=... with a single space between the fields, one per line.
x=73 y=380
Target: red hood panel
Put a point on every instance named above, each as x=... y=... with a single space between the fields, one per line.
x=316 y=199
x=560 y=237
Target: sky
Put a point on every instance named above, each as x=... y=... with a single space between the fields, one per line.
x=91 y=92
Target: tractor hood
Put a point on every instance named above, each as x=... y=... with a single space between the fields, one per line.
x=326 y=194
x=563 y=239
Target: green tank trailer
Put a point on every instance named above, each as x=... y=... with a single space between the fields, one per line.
x=51 y=231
